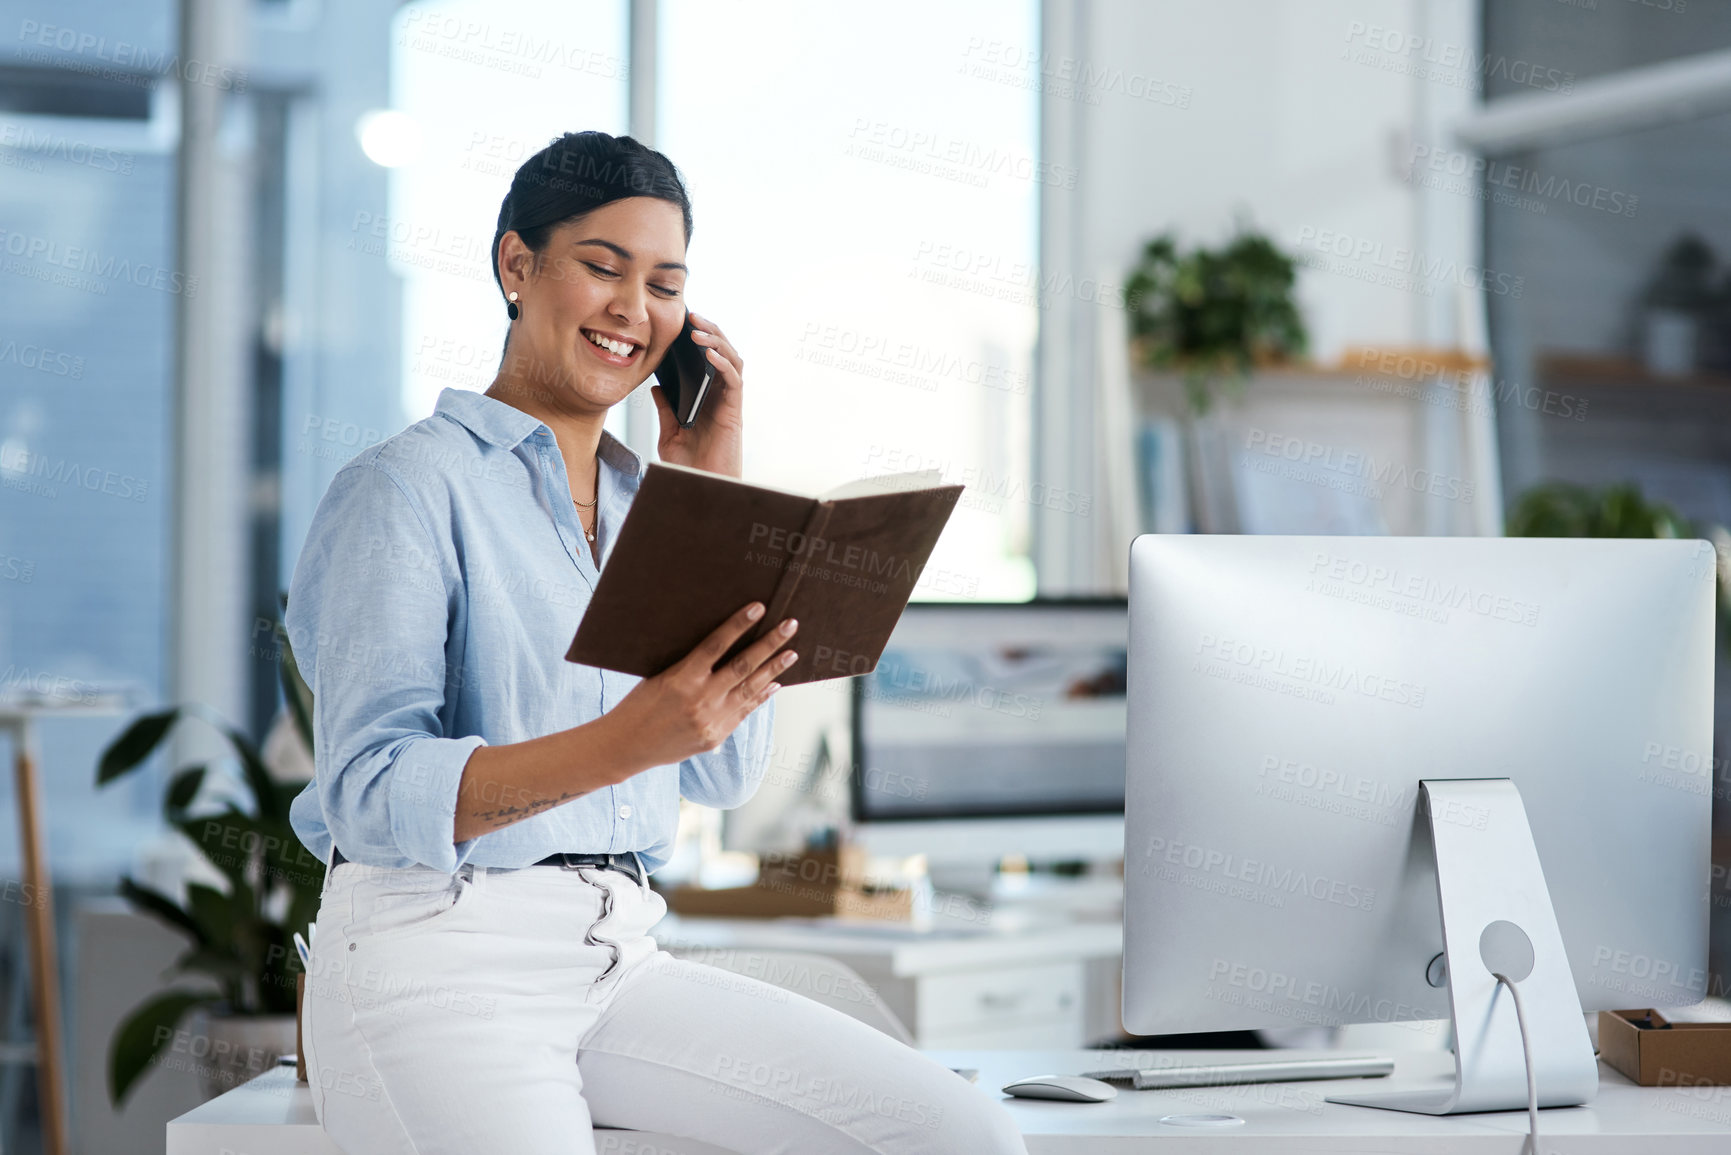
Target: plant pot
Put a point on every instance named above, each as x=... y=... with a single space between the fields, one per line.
x=228 y=1050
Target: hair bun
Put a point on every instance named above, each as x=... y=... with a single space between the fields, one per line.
x=576 y=174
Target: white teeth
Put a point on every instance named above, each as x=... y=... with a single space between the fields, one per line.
x=621 y=348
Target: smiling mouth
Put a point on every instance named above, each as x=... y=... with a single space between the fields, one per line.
x=623 y=349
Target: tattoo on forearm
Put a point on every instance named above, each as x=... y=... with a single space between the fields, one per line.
x=506 y=815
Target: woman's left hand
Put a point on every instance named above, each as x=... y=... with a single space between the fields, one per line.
x=713 y=441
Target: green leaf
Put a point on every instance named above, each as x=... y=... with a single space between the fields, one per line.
x=294 y=687
x=224 y=840
x=1562 y=509
x=134 y=745
x=156 y=903
x=213 y=911
x=286 y=793
x=281 y=966
x=233 y=950
x=256 y=773
x=143 y=1035
x=303 y=910
x=253 y=770
x=182 y=789
x=286 y=861
x=225 y=968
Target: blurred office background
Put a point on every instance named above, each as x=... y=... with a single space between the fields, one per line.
x=241 y=240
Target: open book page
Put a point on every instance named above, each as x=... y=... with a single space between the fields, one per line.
x=886 y=483
x=729 y=480
x=864 y=487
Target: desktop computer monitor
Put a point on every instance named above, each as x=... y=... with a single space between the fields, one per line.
x=1337 y=748
x=990 y=730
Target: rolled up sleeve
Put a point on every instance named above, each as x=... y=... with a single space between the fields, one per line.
x=368 y=613
x=730 y=774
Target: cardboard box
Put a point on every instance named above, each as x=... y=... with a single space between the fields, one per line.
x=809 y=884
x=793 y=902
x=1666 y=1054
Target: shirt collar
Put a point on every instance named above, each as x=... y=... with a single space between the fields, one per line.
x=507 y=427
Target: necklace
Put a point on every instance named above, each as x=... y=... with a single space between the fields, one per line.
x=583 y=505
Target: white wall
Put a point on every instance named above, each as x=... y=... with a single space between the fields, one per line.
x=1303 y=118
x=1278 y=127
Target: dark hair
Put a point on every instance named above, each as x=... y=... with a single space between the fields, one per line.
x=576 y=174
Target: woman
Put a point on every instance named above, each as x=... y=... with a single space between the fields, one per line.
x=482 y=979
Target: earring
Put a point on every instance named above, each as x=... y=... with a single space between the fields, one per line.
x=511 y=309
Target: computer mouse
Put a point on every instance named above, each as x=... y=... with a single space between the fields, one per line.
x=1066 y=1088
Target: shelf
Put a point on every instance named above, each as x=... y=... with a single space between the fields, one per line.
x=1586 y=370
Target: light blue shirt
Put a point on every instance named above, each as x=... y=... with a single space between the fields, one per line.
x=440 y=585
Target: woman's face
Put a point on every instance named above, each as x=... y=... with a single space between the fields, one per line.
x=618 y=274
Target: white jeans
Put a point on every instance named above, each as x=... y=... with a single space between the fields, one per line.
x=509 y=1011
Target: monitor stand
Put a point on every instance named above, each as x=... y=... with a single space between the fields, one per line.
x=1497 y=917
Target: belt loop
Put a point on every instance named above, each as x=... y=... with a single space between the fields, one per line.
x=642 y=871
x=330 y=867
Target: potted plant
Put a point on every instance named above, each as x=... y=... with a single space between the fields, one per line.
x=1213 y=314
x=1563 y=509
x=239 y=935
x=1677 y=310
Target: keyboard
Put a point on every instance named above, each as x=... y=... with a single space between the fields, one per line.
x=1171 y=1075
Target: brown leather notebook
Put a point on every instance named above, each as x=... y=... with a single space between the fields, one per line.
x=697 y=546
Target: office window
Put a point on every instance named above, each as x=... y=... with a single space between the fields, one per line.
x=864 y=183
x=867 y=244
x=87 y=296
x=485 y=86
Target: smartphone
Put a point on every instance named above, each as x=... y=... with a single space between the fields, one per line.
x=685 y=374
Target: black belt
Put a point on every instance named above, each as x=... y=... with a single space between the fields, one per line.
x=624 y=863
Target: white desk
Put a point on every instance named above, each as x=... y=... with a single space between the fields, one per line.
x=1292 y=1117
x=1054 y=984
x=272 y=1115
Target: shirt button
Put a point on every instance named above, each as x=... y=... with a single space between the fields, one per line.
x=625 y=812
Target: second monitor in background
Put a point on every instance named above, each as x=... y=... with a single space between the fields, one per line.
x=994 y=730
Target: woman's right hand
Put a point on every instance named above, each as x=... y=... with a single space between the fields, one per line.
x=690 y=707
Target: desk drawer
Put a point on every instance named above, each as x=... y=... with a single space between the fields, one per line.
x=989 y=999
